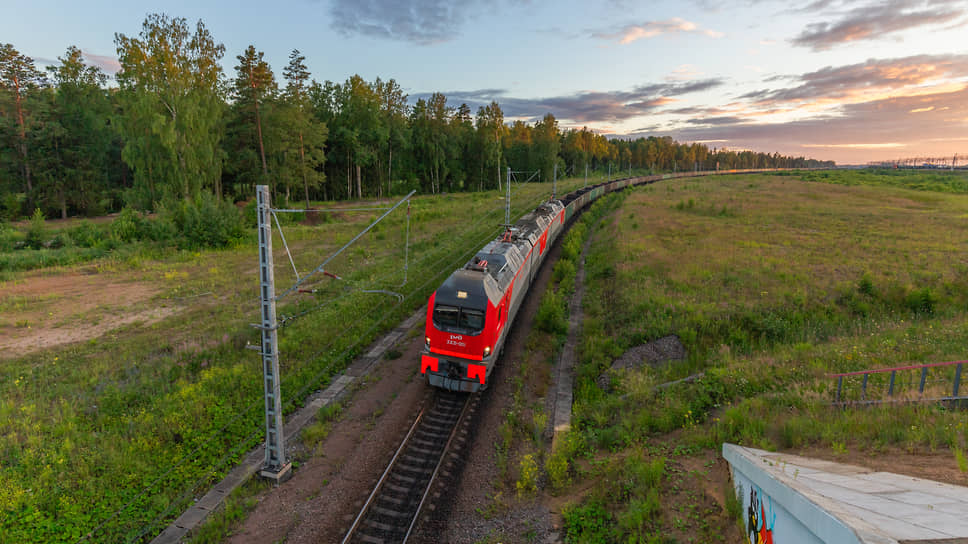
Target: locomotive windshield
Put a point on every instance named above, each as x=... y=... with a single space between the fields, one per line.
x=459 y=320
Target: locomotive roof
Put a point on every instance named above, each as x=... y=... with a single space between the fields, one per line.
x=469 y=289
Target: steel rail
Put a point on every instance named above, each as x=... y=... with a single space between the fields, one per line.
x=379 y=484
x=375 y=495
x=430 y=484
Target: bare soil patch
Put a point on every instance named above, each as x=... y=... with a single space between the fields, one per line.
x=930 y=465
x=44 y=311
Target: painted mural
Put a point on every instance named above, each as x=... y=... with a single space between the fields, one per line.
x=759 y=525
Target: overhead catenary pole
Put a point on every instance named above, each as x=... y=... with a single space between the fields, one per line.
x=554 y=185
x=406 y=247
x=507 y=200
x=276 y=467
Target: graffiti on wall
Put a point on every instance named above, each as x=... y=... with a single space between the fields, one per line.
x=759 y=526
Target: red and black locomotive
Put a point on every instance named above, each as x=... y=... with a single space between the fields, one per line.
x=468 y=316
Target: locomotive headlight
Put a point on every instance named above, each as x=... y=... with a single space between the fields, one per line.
x=487 y=350
x=427 y=342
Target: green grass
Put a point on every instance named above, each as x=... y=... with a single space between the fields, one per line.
x=772 y=282
x=940 y=181
x=115 y=436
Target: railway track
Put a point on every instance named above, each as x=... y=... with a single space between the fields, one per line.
x=392 y=509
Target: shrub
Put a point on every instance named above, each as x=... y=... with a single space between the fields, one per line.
x=10 y=238
x=86 y=234
x=921 y=301
x=551 y=314
x=866 y=285
x=130 y=226
x=528 y=479
x=204 y=222
x=556 y=466
x=36 y=231
x=588 y=523
x=11 y=206
x=641 y=513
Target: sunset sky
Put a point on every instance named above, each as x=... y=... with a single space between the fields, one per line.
x=851 y=81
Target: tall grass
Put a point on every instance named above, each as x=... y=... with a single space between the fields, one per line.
x=114 y=436
x=771 y=283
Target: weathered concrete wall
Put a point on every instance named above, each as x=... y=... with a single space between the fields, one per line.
x=774 y=511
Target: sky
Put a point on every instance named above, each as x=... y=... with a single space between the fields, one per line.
x=843 y=80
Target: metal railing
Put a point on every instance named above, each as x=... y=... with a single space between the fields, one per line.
x=891 y=390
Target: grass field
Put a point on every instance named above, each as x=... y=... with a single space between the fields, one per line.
x=144 y=392
x=771 y=282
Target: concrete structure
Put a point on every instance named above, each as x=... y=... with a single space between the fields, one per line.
x=787 y=498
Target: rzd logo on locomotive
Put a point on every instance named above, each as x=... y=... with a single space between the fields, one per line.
x=457 y=340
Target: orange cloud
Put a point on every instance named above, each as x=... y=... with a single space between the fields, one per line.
x=651 y=29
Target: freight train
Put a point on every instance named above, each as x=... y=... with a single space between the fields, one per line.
x=470 y=315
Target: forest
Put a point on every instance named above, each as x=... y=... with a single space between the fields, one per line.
x=171 y=126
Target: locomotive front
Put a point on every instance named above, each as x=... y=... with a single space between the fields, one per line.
x=462 y=322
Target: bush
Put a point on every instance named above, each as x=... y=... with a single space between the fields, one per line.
x=556 y=466
x=528 y=480
x=921 y=301
x=86 y=234
x=588 y=523
x=11 y=206
x=10 y=238
x=641 y=513
x=551 y=314
x=204 y=222
x=36 y=231
x=130 y=226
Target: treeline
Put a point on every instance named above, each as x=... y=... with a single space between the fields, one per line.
x=176 y=126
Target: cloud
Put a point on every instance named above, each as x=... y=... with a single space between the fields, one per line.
x=876 y=21
x=862 y=82
x=584 y=106
x=716 y=121
x=108 y=63
x=423 y=22
x=650 y=29
x=884 y=127
x=684 y=72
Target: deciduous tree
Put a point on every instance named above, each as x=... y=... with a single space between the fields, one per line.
x=172 y=89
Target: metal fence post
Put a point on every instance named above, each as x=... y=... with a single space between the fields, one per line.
x=890 y=389
x=957 y=380
x=924 y=376
x=840 y=383
x=276 y=466
x=863 y=389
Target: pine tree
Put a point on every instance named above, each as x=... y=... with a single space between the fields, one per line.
x=18 y=80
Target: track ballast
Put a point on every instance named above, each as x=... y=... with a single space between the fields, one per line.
x=391 y=511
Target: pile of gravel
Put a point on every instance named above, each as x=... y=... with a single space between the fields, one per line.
x=654 y=353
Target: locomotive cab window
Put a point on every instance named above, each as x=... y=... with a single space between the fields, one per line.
x=458 y=320
x=471 y=320
x=446 y=316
